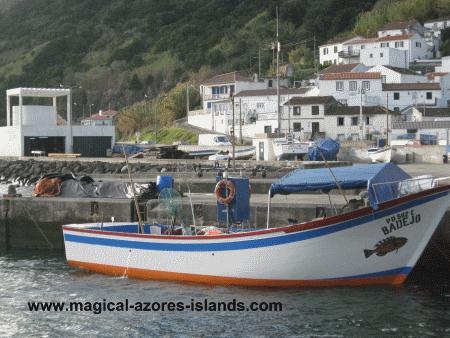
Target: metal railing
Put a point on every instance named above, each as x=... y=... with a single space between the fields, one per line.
x=407 y=187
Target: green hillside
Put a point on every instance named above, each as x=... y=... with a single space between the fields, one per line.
x=125 y=51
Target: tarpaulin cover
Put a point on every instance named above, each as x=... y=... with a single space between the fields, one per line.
x=129 y=149
x=84 y=186
x=328 y=147
x=359 y=176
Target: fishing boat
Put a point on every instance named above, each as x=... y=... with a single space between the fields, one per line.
x=380 y=154
x=287 y=148
x=239 y=154
x=376 y=239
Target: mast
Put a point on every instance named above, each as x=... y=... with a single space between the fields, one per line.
x=278 y=80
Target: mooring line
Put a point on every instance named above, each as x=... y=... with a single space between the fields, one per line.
x=128 y=263
x=37 y=225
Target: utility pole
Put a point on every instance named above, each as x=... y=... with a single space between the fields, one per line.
x=361 y=91
x=240 y=120
x=278 y=79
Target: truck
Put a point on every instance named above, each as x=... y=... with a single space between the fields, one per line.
x=213 y=140
x=412 y=143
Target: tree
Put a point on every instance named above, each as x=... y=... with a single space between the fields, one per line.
x=302 y=56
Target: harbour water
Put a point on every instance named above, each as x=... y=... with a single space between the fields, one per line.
x=419 y=308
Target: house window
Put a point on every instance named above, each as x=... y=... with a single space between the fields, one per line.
x=213 y=90
x=384 y=44
x=370 y=55
x=315 y=110
x=366 y=85
x=268 y=129
x=363 y=46
x=368 y=120
x=270 y=83
x=325 y=51
x=398 y=44
x=208 y=105
x=339 y=85
x=297 y=126
x=419 y=44
x=396 y=96
x=429 y=95
x=383 y=78
x=353 y=86
x=260 y=105
x=340 y=121
x=341 y=137
x=231 y=89
x=297 y=110
x=354 y=121
x=335 y=49
x=381 y=55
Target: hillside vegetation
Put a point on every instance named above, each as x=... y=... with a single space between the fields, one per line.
x=126 y=53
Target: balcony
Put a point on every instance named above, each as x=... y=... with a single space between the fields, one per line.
x=349 y=54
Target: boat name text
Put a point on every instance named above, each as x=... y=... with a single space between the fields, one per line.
x=401 y=220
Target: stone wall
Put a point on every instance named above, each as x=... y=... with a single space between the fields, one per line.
x=402 y=154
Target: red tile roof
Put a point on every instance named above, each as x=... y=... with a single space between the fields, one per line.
x=339 y=68
x=98 y=117
x=431 y=76
x=341 y=40
x=411 y=86
x=270 y=92
x=399 y=25
x=349 y=76
x=230 y=78
x=361 y=41
x=355 y=110
x=395 y=37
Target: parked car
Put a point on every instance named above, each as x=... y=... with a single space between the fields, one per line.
x=148 y=142
x=181 y=143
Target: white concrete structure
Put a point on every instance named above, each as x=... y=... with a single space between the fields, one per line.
x=401 y=27
x=342 y=123
x=97 y=120
x=413 y=47
x=383 y=56
x=391 y=74
x=346 y=88
x=329 y=53
x=436 y=26
x=399 y=96
x=38 y=128
x=304 y=116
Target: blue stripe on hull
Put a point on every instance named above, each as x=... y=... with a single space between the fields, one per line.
x=248 y=244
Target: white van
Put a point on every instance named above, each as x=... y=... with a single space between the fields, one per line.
x=213 y=140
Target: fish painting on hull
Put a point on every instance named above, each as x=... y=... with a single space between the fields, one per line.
x=386 y=245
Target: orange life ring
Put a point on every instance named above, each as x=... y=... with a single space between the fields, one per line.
x=230 y=186
x=250 y=190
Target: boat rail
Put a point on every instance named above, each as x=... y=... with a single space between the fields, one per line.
x=410 y=186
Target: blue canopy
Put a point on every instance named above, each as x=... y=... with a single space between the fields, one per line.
x=328 y=147
x=359 y=176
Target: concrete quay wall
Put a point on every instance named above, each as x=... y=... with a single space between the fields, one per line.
x=35 y=223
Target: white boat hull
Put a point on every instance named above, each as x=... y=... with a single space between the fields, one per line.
x=281 y=150
x=381 y=155
x=320 y=253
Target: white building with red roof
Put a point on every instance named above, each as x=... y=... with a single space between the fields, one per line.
x=97 y=120
x=329 y=53
x=346 y=88
x=397 y=50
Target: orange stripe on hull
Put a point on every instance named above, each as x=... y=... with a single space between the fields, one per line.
x=395 y=280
